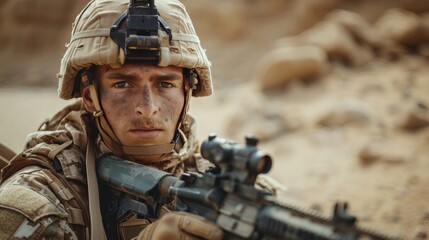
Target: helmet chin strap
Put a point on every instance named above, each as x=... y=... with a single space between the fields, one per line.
x=109 y=137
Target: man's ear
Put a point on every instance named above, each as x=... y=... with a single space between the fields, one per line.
x=87 y=100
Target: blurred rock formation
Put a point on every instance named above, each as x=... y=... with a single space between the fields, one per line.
x=344 y=37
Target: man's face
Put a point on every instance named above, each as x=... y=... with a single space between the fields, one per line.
x=142 y=102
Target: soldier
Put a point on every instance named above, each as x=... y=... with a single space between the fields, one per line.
x=133 y=68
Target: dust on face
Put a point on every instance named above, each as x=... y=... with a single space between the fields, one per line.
x=142 y=103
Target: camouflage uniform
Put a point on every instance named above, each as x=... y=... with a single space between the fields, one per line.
x=43 y=192
x=46 y=192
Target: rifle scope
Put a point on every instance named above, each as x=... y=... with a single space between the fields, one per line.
x=230 y=156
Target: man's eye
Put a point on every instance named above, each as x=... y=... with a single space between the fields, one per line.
x=121 y=84
x=166 y=85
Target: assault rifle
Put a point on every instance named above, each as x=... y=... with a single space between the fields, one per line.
x=225 y=195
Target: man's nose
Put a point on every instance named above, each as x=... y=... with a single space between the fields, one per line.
x=146 y=105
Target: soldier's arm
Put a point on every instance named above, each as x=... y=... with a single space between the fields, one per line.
x=29 y=210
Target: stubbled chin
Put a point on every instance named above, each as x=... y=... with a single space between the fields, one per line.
x=137 y=141
x=147 y=159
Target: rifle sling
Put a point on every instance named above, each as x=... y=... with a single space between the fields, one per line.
x=97 y=228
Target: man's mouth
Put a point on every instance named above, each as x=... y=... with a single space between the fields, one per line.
x=146 y=132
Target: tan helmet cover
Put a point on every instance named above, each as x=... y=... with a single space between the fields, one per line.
x=91 y=44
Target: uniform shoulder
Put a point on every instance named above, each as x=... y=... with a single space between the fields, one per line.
x=27 y=206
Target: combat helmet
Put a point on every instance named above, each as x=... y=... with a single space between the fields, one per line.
x=91 y=42
x=115 y=32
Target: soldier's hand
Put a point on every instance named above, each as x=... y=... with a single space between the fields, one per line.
x=181 y=225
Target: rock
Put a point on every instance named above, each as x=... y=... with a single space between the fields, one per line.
x=384 y=151
x=392 y=51
x=344 y=113
x=426 y=215
x=393 y=216
x=282 y=65
x=417 y=6
x=291 y=121
x=415 y=120
x=365 y=217
x=337 y=42
x=368 y=155
x=328 y=136
x=275 y=123
x=401 y=192
x=424 y=50
x=309 y=12
x=403 y=27
x=413 y=180
x=415 y=117
x=357 y=26
x=235 y=123
x=316 y=207
x=266 y=122
x=269 y=128
x=420 y=233
x=371 y=88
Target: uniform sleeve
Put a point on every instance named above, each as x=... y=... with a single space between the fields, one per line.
x=29 y=210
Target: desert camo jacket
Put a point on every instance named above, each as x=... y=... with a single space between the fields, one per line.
x=43 y=191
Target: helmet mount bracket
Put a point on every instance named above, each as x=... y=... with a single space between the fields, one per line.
x=139 y=35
